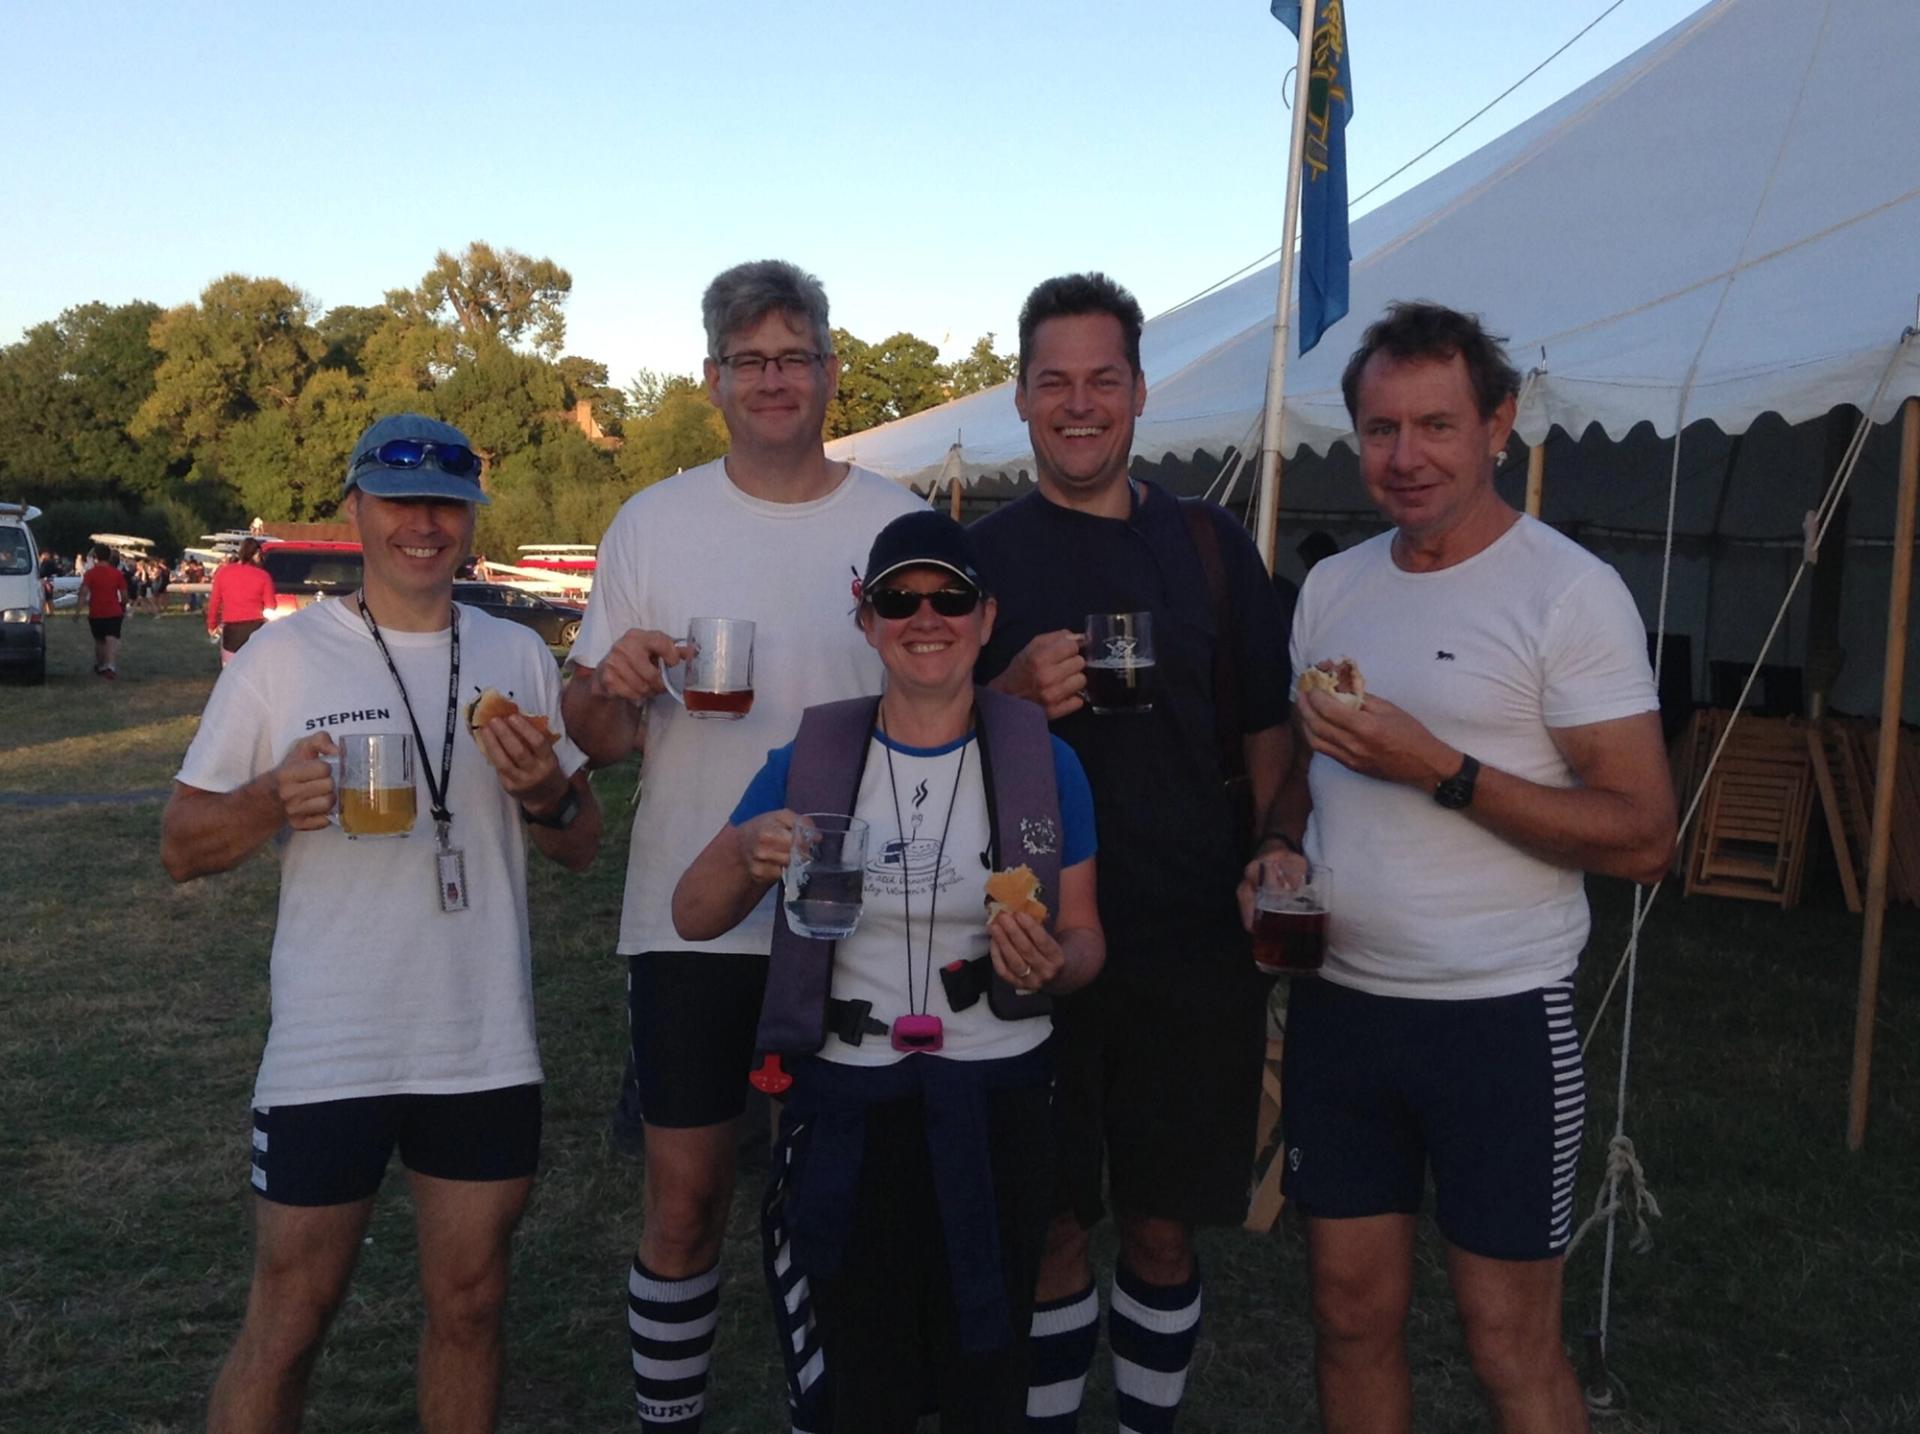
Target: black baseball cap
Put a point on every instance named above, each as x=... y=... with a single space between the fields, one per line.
x=926 y=539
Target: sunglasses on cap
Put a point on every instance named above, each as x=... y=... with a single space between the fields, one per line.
x=454 y=458
x=894 y=604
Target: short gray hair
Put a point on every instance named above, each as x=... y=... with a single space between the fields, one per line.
x=742 y=296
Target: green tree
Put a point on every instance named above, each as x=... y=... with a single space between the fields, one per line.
x=67 y=391
x=246 y=347
x=345 y=330
x=648 y=389
x=884 y=381
x=682 y=430
x=498 y=295
x=980 y=368
x=587 y=378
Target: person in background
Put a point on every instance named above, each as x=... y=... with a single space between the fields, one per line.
x=106 y=589
x=237 y=605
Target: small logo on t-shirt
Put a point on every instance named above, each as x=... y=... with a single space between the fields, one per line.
x=1443 y=656
x=1039 y=835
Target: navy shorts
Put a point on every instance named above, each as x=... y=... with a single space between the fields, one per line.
x=1488 y=1094
x=335 y=1152
x=104 y=627
x=692 y=1017
x=1157 y=1085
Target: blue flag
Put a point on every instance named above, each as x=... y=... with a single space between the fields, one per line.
x=1324 y=254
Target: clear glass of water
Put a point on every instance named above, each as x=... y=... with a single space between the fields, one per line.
x=826 y=875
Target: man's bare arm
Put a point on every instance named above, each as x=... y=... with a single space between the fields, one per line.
x=1619 y=821
x=605 y=706
x=574 y=845
x=203 y=832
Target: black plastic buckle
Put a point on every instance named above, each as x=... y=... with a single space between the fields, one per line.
x=852 y=1021
x=966 y=981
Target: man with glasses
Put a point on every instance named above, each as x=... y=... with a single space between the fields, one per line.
x=402 y=992
x=1158 y=1062
x=772 y=533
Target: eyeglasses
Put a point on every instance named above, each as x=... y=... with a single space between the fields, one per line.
x=896 y=604
x=454 y=458
x=792 y=363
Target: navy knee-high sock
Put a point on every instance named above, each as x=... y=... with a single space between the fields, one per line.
x=1152 y=1330
x=1059 y=1353
x=671 y=1324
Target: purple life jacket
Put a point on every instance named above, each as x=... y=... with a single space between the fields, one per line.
x=1023 y=817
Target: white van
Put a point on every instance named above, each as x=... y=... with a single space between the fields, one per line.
x=23 y=628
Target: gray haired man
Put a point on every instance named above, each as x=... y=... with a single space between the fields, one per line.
x=770 y=533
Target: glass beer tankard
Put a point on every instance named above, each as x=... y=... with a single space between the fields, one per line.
x=1120 y=662
x=373 y=792
x=717 y=680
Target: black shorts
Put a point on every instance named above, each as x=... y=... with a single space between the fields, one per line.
x=234 y=635
x=1157 y=1080
x=692 y=1016
x=1488 y=1093
x=334 y=1152
x=104 y=627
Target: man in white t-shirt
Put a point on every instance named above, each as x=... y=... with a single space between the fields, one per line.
x=1508 y=741
x=773 y=533
x=402 y=983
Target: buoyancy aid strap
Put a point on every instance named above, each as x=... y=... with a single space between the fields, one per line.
x=829 y=757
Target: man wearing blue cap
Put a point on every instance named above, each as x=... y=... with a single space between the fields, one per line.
x=402 y=1000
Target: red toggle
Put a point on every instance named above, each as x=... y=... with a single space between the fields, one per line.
x=770 y=1079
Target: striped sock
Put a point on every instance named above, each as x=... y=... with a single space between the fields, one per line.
x=1152 y=1330
x=1059 y=1354
x=671 y=1323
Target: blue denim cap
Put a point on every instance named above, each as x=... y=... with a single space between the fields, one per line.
x=428 y=479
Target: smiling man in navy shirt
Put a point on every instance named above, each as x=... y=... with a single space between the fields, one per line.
x=1158 y=1062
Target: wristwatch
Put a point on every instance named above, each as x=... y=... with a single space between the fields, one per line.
x=562 y=819
x=1457 y=791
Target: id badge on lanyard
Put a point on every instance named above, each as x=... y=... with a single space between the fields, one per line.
x=449 y=861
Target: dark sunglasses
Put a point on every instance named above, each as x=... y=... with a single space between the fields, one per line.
x=895 y=604
x=453 y=458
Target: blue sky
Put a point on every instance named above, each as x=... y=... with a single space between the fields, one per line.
x=930 y=163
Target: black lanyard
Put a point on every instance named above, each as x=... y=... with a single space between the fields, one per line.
x=443 y=819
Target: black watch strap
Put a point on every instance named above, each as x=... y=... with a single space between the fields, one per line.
x=1457 y=791
x=562 y=818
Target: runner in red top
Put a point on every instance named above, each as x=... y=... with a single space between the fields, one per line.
x=241 y=594
x=106 y=589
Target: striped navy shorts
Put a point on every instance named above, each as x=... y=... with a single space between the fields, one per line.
x=1487 y=1094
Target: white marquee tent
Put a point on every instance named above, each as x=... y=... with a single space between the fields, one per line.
x=1719 y=236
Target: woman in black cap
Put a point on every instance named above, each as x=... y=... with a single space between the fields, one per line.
x=914 y=1174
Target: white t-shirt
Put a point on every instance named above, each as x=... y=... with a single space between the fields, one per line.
x=376 y=990
x=696 y=546
x=926 y=881
x=1531 y=634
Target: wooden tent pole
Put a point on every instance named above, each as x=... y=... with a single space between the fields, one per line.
x=1892 y=689
x=1273 y=419
x=953 y=498
x=1536 y=476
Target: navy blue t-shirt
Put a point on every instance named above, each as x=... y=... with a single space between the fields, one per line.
x=1170 y=857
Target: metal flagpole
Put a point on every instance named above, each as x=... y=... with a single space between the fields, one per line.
x=1273 y=424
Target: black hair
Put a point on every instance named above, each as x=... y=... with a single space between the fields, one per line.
x=1070 y=295
x=1419 y=330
